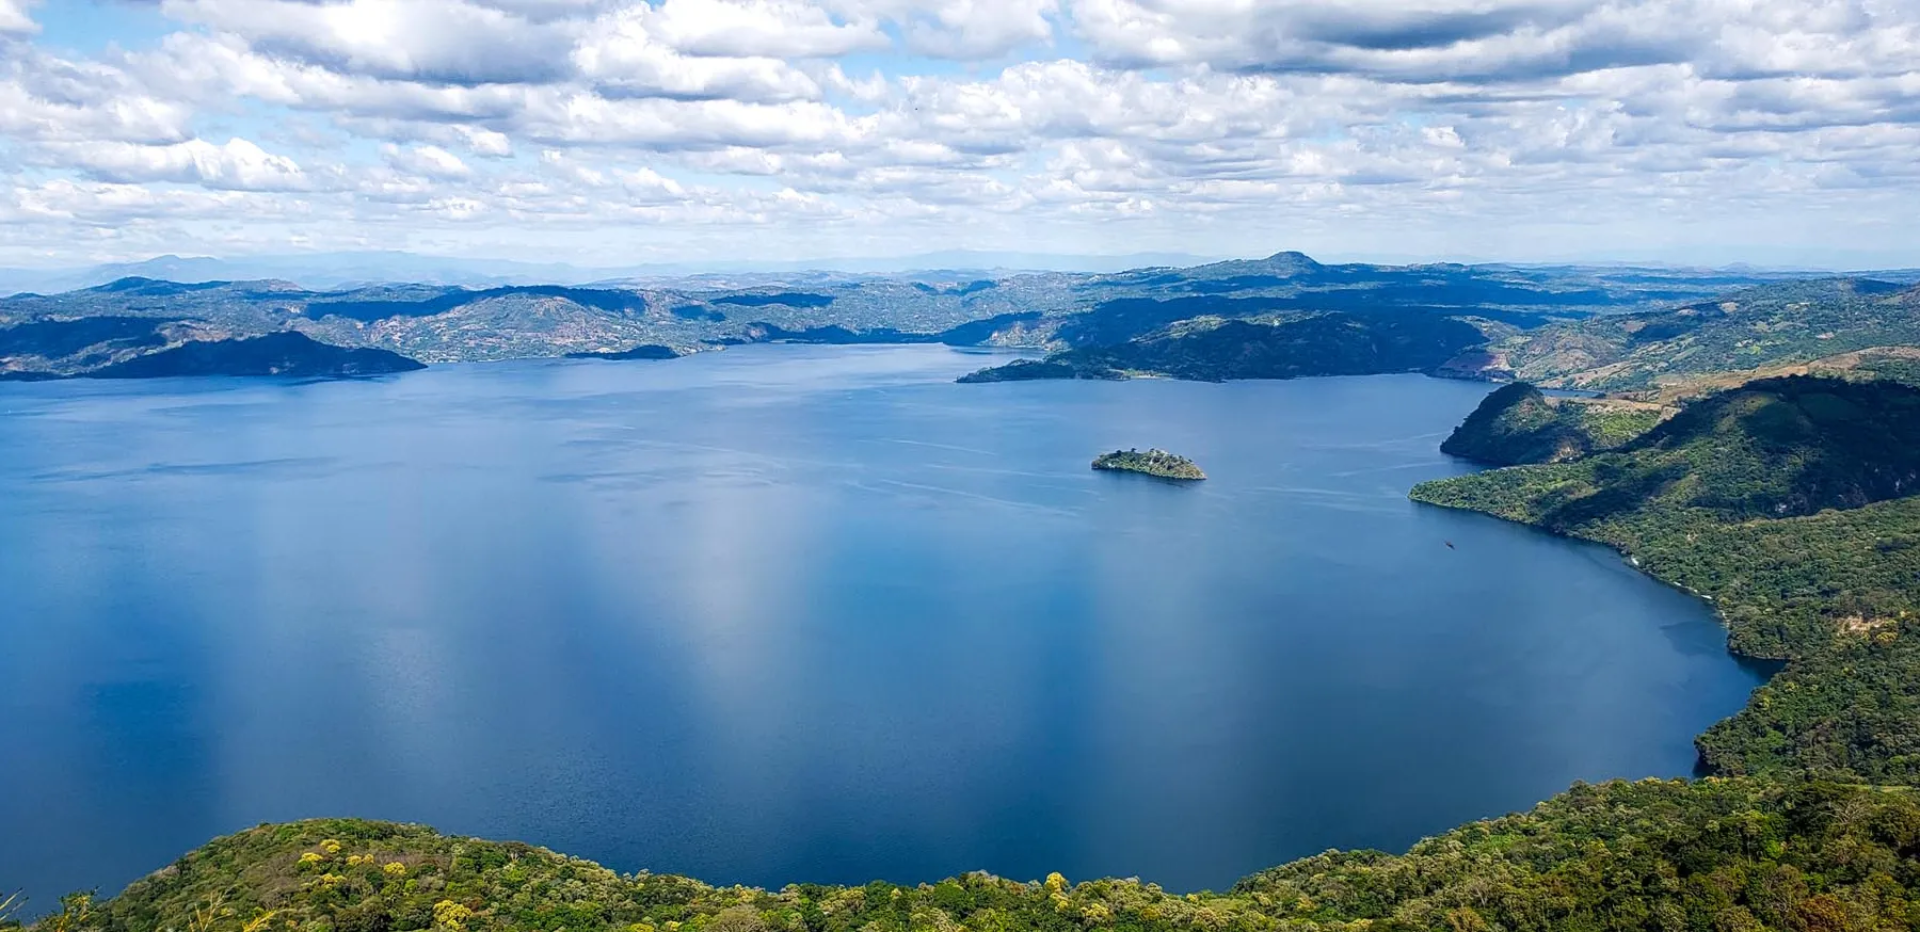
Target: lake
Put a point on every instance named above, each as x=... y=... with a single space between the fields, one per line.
x=785 y=614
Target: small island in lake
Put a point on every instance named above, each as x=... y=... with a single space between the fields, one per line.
x=1153 y=463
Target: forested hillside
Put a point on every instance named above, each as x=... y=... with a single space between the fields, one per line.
x=1789 y=502
x=1782 y=322
x=1518 y=424
x=1216 y=349
x=1658 y=854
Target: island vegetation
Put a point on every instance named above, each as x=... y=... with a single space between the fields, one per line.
x=1155 y=462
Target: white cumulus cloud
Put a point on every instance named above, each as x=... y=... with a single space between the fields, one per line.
x=1202 y=125
x=449 y=41
x=431 y=161
x=236 y=165
x=14 y=18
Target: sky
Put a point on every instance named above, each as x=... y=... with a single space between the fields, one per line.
x=616 y=132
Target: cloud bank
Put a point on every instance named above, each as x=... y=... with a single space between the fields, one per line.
x=621 y=132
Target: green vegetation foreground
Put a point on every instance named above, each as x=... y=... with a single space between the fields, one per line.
x=1721 y=855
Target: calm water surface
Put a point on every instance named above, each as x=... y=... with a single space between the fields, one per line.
x=796 y=614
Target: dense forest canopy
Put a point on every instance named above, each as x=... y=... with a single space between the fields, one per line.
x=1658 y=854
x=1790 y=503
x=1518 y=424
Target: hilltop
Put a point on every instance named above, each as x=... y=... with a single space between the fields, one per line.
x=1517 y=424
x=1769 y=449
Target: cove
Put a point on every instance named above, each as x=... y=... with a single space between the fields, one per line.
x=798 y=614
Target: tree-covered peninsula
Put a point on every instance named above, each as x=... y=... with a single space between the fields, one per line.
x=1154 y=462
x=643 y=351
x=137 y=348
x=1791 y=504
x=1285 y=346
x=1519 y=424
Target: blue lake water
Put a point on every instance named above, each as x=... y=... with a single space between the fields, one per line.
x=792 y=614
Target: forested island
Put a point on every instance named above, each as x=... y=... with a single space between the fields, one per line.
x=1155 y=462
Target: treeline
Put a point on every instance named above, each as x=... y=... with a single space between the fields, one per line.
x=1731 y=855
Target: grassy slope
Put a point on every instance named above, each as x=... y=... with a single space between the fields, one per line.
x=1710 y=855
x=1783 y=502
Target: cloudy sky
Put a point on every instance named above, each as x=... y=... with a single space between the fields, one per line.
x=617 y=131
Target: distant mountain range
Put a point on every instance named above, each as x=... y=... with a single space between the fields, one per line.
x=352 y=269
x=1280 y=316
x=349 y=269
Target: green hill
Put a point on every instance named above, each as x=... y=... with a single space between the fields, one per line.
x=135 y=347
x=287 y=353
x=1789 y=503
x=1658 y=854
x=1769 y=449
x=1216 y=349
x=1746 y=329
x=1518 y=424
